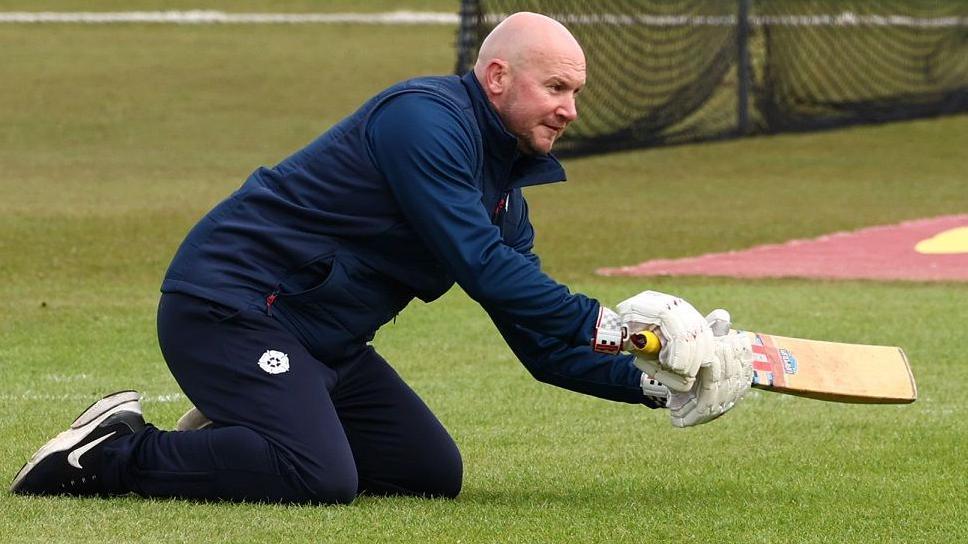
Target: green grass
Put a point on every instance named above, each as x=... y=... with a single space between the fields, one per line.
x=114 y=140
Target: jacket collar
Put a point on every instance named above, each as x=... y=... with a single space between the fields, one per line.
x=501 y=147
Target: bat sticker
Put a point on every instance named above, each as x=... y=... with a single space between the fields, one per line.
x=789 y=361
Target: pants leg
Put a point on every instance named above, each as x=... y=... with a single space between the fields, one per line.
x=278 y=435
x=399 y=446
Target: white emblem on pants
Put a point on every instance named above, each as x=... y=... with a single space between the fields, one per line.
x=274 y=362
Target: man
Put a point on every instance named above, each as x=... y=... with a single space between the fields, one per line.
x=269 y=304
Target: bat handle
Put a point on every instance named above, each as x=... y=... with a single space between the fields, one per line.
x=645 y=344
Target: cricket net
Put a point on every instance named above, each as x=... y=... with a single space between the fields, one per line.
x=663 y=72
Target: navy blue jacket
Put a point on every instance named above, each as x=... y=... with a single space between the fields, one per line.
x=419 y=188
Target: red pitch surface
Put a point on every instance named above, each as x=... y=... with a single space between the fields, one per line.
x=922 y=250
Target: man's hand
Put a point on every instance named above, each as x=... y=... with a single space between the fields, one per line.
x=719 y=384
x=687 y=341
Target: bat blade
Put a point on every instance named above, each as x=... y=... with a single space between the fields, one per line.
x=832 y=371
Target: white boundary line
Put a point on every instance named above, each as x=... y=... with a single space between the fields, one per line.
x=844 y=19
x=220 y=17
x=31 y=396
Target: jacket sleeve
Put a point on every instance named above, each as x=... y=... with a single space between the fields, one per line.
x=576 y=368
x=430 y=157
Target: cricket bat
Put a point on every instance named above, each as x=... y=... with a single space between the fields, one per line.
x=830 y=371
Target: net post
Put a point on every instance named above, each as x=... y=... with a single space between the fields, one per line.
x=742 y=67
x=467 y=38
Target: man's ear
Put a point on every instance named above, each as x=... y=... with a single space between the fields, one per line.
x=496 y=77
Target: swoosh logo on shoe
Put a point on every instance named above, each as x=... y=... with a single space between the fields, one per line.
x=74 y=457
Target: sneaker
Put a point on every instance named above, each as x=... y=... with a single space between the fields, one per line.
x=70 y=463
x=193 y=420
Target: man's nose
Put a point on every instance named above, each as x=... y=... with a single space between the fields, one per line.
x=568 y=109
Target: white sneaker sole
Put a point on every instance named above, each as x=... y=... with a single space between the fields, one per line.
x=193 y=420
x=124 y=401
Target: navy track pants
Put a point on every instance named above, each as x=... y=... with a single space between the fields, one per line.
x=288 y=426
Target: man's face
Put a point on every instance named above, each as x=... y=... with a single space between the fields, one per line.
x=540 y=100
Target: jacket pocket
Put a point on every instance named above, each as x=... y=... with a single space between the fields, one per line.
x=220 y=312
x=346 y=295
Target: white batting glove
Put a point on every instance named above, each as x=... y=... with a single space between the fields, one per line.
x=612 y=335
x=687 y=341
x=719 y=384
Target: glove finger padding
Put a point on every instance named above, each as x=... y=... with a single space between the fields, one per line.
x=687 y=341
x=672 y=381
x=719 y=386
x=719 y=321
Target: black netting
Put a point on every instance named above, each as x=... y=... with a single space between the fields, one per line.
x=666 y=71
x=872 y=61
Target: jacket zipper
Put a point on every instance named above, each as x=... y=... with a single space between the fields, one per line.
x=504 y=203
x=270 y=300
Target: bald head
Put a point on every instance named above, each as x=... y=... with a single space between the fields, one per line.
x=531 y=68
x=524 y=38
